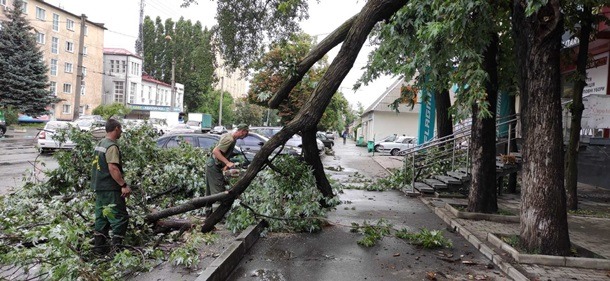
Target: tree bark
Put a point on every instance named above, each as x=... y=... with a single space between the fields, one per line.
x=312 y=157
x=544 y=224
x=483 y=197
x=193 y=204
x=577 y=108
x=310 y=114
x=444 y=123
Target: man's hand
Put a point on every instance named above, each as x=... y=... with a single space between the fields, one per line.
x=125 y=191
x=228 y=166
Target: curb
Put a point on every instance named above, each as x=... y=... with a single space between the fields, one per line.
x=506 y=267
x=223 y=266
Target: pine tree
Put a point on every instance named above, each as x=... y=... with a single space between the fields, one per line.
x=23 y=79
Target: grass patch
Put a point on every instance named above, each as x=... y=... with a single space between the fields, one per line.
x=575 y=250
x=590 y=213
x=503 y=212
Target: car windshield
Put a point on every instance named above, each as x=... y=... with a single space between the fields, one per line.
x=192 y=123
x=390 y=138
x=56 y=125
x=85 y=123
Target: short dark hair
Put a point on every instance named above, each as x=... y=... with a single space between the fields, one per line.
x=112 y=124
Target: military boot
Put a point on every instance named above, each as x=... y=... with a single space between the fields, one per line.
x=117 y=243
x=100 y=247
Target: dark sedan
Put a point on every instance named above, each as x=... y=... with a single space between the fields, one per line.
x=325 y=140
x=205 y=141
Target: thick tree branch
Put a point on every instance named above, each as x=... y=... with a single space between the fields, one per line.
x=193 y=204
x=311 y=113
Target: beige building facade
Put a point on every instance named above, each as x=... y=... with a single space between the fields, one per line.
x=57 y=33
x=232 y=82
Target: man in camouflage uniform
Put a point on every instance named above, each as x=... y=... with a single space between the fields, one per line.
x=110 y=188
x=219 y=160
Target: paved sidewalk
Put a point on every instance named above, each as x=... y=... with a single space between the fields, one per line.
x=586 y=231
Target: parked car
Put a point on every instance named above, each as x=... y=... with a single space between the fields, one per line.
x=401 y=143
x=253 y=143
x=389 y=138
x=219 y=130
x=46 y=141
x=325 y=140
x=194 y=124
x=180 y=129
x=89 y=124
x=330 y=135
x=204 y=141
x=295 y=140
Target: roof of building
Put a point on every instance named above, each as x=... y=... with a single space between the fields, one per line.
x=387 y=97
x=120 y=51
x=148 y=78
x=98 y=24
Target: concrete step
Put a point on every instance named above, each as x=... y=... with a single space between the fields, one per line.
x=460 y=176
x=436 y=184
x=448 y=179
x=423 y=188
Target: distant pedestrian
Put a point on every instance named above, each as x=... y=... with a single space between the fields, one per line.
x=111 y=190
x=344 y=136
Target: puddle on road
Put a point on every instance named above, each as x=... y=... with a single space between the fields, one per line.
x=277 y=254
x=268 y=275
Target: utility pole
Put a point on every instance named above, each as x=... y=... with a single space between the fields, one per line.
x=79 y=67
x=141 y=51
x=173 y=103
x=222 y=90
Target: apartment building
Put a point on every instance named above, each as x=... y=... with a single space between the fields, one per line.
x=57 y=33
x=125 y=83
x=231 y=82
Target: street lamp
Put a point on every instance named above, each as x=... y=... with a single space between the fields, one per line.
x=222 y=90
x=173 y=94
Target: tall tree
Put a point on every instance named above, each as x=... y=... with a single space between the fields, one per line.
x=544 y=225
x=248 y=113
x=23 y=79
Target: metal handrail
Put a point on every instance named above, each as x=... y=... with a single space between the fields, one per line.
x=453 y=145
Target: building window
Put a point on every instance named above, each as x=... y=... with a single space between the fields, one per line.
x=82 y=90
x=85 y=51
x=123 y=66
x=119 y=91
x=68 y=67
x=40 y=38
x=53 y=67
x=40 y=13
x=135 y=68
x=69 y=47
x=65 y=109
x=3 y=2
x=24 y=7
x=86 y=30
x=132 y=92
x=67 y=88
x=55 y=22
x=53 y=88
x=81 y=110
x=84 y=71
x=54 y=45
x=69 y=24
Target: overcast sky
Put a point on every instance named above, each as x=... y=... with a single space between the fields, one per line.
x=121 y=18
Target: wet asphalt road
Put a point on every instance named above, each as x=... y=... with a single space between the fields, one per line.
x=19 y=158
x=333 y=254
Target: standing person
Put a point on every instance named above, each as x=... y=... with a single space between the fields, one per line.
x=344 y=136
x=219 y=160
x=110 y=188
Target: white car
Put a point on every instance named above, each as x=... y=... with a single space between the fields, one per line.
x=219 y=130
x=401 y=143
x=45 y=136
x=180 y=129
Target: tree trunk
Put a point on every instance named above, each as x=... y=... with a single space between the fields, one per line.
x=311 y=113
x=483 y=197
x=444 y=122
x=312 y=157
x=577 y=108
x=544 y=224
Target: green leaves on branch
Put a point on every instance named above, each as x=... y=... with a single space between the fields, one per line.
x=373 y=233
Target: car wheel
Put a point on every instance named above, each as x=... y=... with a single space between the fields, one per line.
x=331 y=145
x=394 y=152
x=377 y=148
x=2 y=131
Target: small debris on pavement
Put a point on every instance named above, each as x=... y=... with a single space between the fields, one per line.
x=490 y=266
x=396 y=255
x=431 y=275
x=469 y=263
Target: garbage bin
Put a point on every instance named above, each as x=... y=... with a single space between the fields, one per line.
x=370 y=146
x=360 y=141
